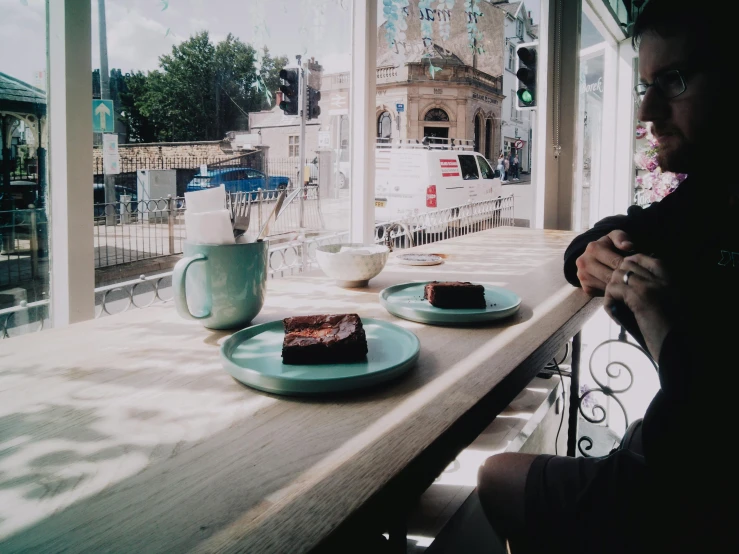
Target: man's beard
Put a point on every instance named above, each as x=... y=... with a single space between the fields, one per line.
x=674 y=161
x=678 y=156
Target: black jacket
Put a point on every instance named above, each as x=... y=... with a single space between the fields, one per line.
x=689 y=425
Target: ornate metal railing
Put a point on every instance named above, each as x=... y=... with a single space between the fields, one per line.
x=27 y=317
x=129 y=230
x=446 y=223
x=298 y=255
x=617 y=371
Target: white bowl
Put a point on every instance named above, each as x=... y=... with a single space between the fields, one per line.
x=355 y=265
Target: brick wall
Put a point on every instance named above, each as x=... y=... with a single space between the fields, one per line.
x=197 y=151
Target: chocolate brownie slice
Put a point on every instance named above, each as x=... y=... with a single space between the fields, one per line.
x=323 y=339
x=454 y=294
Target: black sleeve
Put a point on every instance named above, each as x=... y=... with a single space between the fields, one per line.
x=645 y=227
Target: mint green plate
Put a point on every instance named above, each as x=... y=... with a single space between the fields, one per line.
x=406 y=301
x=254 y=357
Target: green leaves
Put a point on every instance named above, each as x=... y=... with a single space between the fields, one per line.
x=200 y=91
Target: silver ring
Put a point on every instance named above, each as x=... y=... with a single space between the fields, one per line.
x=628 y=274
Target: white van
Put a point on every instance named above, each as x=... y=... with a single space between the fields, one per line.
x=414 y=177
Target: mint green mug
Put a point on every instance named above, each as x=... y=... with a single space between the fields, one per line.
x=221 y=285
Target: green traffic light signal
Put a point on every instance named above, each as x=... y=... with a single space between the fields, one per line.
x=526 y=71
x=525 y=96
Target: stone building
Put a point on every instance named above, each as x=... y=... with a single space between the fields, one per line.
x=427 y=86
x=439 y=81
x=282 y=132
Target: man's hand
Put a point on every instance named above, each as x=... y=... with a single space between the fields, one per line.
x=647 y=295
x=600 y=259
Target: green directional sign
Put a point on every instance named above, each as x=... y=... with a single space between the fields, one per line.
x=103 y=116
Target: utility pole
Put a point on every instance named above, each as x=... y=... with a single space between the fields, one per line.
x=303 y=88
x=105 y=95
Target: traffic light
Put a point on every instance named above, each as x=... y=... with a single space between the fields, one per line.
x=290 y=90
x=314 y=97
x=526 y=54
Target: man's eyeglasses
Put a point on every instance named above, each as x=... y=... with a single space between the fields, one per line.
x=670 y=84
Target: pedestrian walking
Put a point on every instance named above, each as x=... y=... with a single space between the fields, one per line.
x=511 y=175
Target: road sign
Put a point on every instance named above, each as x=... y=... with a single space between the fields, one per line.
x=324 y=140
x=103 y=116
x=339 y=103
x=400 y=107
x=111 y=159
x=518 y=144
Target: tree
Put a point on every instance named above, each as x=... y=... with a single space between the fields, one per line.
x=139 y=128
x=233 y=91
x=179 y=99
x=200 y=91
x=271 y=74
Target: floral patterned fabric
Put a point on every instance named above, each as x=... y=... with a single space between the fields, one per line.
x=652 y=184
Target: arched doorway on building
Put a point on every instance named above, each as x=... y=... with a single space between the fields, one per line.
x=384 y=127
x=439 y=127
x=478 y=134
x=489 y=139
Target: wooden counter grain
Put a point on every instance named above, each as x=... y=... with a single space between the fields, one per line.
x=124 y=434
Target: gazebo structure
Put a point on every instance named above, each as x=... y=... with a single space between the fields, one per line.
x=21 y=102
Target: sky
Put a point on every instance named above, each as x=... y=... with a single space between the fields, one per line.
x=139 y=31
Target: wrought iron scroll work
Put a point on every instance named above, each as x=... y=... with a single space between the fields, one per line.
x=613 y=370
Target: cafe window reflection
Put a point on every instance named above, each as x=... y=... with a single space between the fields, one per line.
x=24 y=205
x=592 y=81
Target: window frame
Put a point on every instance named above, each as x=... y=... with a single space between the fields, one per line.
x=511 y=57
x=384 y=116
x=474 y=163
x=293 y=146
x=481 y=160
x=70 y=148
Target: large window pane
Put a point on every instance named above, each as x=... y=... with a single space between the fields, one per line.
x=194 y=87
x=590 y=123
x=24 y=238
x=446 y=81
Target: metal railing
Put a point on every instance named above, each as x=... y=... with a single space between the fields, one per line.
x=187 y=167
x=298 y=255
x=446 y=223
x=147 y=229
x=426 y=143
x=133 y=163
x=143 y=229
x=27 y=317
x=616 y=378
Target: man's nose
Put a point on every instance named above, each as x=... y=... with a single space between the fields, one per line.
x=653 y=106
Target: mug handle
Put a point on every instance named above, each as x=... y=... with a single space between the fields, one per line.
x=178 y=284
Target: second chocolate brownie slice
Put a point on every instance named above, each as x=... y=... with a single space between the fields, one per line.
x=454 y=294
